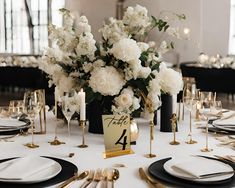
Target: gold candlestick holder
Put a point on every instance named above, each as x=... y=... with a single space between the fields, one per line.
x=173 y=124
x=151 y=124
x=82 y=123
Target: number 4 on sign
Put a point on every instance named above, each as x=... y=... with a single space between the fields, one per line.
x=124 y=137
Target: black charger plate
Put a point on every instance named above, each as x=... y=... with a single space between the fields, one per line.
x=156 y=170
x=68 y=170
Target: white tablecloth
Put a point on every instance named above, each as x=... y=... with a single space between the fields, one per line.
x=92 y=158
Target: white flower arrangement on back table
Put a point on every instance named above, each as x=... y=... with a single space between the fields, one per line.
x=119 y=69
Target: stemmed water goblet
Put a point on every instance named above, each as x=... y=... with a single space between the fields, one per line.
x=32 y=106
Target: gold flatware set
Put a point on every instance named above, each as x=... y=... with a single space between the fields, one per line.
x=93 y=177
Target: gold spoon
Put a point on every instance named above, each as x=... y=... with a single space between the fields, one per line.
x=115 y=176
x=74 y=178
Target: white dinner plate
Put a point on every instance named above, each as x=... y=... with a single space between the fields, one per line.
x=227 y=125
x=41 y=176
x=10 y=122
x=168 y=168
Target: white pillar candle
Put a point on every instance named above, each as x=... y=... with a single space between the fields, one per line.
x=82 y=97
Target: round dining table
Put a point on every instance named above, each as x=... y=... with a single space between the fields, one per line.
x=92 y=156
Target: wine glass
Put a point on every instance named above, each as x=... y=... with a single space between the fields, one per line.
x=68 y=106
x=32 y=106
x=190 y=97
x=205 y=110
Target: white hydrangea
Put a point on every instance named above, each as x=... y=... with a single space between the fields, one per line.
x=106 y=80
x=137 y=19
x=126 y=50
x=86 y=46
x=82 y=26
x=114 y=31
x=170 y=80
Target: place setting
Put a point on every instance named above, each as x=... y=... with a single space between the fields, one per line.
x=194 y=171
x=43 y=171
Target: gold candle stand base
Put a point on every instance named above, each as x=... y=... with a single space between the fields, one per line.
x=32 y=145
x=206 y=150
x=56 y=142
x=174 y=143
x=82 y=123
x=191 y=141
x=150 y=155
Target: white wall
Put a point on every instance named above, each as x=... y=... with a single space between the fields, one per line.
x=208 y=21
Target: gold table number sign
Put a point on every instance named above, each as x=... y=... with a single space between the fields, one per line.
x=116 y=135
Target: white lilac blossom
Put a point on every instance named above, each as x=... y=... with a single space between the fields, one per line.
x=82 y=26
x=114 y=31
x=137 y=19
x=86 y=46
x=106 y=80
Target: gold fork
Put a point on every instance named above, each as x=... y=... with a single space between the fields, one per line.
x=89 y=179
x=98 y=177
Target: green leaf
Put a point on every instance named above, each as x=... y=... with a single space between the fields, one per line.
x=172 y=45
x=64 y=10
x=181 y=16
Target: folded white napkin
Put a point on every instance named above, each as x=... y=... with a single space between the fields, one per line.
x=8 y=122
x=198 y=166
x=21 y=168
x=229 y=121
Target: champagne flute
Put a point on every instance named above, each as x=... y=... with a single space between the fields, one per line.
x=189 y=100
x=68 y=107
x=56 y=141
x=32 y=106
x=205 y=110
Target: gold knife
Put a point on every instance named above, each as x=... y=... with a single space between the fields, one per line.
x=149 y=180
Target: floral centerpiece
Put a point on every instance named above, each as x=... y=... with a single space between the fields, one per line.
x=120 y=72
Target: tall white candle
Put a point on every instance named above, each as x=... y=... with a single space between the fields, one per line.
x=82 y=97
